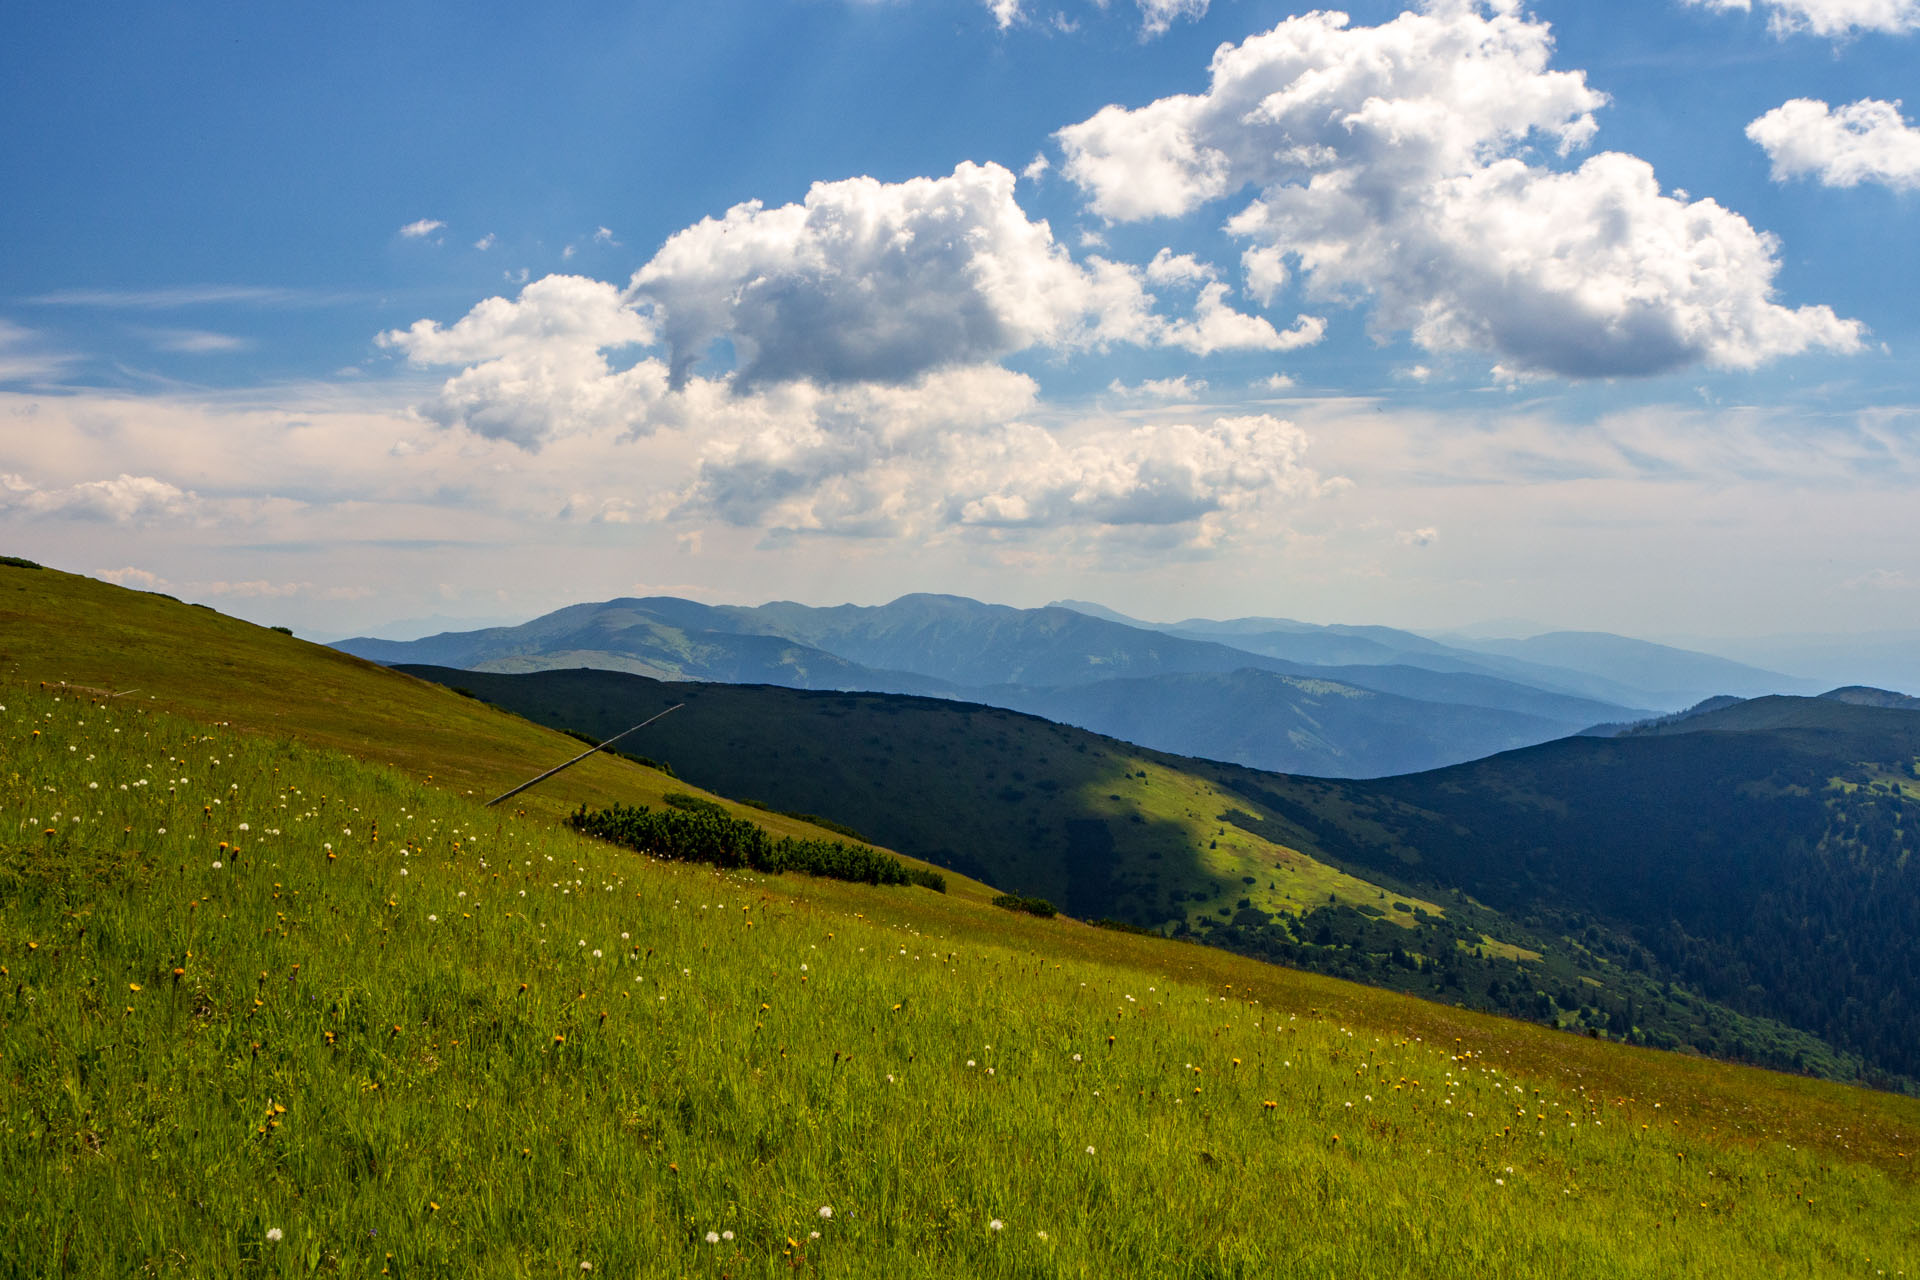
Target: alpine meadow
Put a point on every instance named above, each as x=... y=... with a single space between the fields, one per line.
x=960 y=640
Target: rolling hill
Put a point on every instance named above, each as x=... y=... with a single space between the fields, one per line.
x=282 y=998
x=1671 y=889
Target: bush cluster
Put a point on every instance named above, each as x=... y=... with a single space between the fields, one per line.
x=1032 y=906
x=704 y=832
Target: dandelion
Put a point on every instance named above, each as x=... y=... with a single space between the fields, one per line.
x=726 y=1235
x=826 y=1211
x=813 y=1235
x=436 y=920
x=969 y=1061
x=275 y=1235
x=713 y=1237
x=216 y=866
x=1089 y=1150
x=1076 y=1057
x=596 y=953
x=996 y=1225
x=586 y=1266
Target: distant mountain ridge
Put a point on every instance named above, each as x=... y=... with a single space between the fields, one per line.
x=1269 y=693
x=1192 y=693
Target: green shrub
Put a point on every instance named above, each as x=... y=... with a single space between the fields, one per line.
x=698 y=830
x=1032 y=906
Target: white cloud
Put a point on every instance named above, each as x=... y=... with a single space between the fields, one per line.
x=1864 y=141
x=1424 y=537
x=1832 y=18
x=1148 y=475
x=1180 y=388
x=1157 y=15
x=601 y=235
x=1215 y=326
x=1037 y=167
x=1005 y=12
x=1395 y=163
x=486 y=242
x=24 y=356
x=883 y=282
x=1169 y=267
x=537 y=364
x=124 y=499
x=197 y=342
x=421 y=229
x=1274 y=382
x=140 y=579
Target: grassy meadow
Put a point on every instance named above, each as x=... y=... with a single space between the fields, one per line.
x=271 y=1005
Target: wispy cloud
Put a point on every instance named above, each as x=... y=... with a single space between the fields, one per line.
x=423 y=228
x=197 y=342
x=191 y=295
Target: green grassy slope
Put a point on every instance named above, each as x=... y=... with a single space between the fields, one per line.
x=474 y=1044
x=1308 y=872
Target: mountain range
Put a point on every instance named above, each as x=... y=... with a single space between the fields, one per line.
x=1270 y=693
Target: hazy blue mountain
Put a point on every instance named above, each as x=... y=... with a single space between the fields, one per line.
x=1342 y=645
x=1285 y=723
x=1170 y=692
x=1677 y=676
x=657 y=638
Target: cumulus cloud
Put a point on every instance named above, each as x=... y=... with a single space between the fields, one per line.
x=953 y=452
x=1835 y=19
x=878 y=282
x=1864 y=141
x=125 y=499
x=882 y=282
x=1005 y=12
x=1399 y=164
x=537 y=364
x=1149 y=475
x=422 y=228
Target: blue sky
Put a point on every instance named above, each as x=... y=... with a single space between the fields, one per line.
x=1599 y=315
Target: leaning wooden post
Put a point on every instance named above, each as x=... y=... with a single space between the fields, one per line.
x=508 y=795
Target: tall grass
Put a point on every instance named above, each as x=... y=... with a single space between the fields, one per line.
x=415 y=1037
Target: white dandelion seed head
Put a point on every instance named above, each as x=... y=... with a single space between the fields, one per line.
x=996 y=1225
x=713 y=1237
x=726 y=1235
x=216 y=866
x=826 y=1211
x=813 y=1235
x=970 y=1062
x=1089 y=1150
x=433 y=919
x=275 y=1235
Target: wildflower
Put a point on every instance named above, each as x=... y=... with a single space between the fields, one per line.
x=275 y=1235
x=1041 y=1234
x=713 y=1237
x=969 y=1061
x=133 y=986
x=813 y=1235
x=726 y=1235
x=433 y=919
x=1089 y=1150
x=586 y=1266
x=826 y=1211
x=596 y=953
x=996 y=1225
x=216 y=866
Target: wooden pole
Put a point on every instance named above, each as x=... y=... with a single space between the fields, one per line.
x=508 y=795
